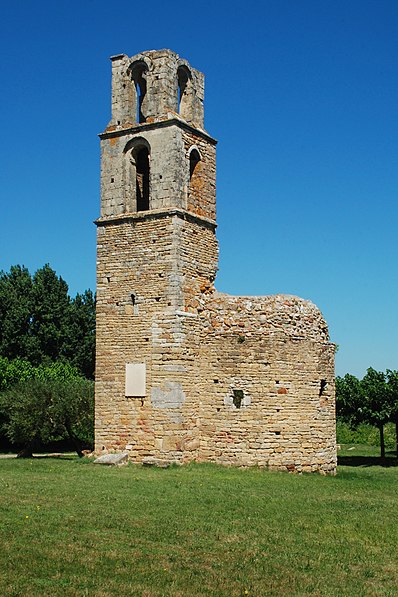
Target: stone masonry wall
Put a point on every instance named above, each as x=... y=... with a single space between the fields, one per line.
x=152 y=328
x=201 y=190
x=161 y=70
x=169 y=147
x=199 y=346
x=274 y=350
x=234 y=380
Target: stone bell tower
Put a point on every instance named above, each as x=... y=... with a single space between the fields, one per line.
x=156 y=248
x=184 y=372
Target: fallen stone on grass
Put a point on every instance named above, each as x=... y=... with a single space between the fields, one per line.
x=112 y=459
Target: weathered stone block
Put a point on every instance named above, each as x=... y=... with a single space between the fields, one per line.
x=112 y=459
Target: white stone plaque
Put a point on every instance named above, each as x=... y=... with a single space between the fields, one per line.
x=135 y=379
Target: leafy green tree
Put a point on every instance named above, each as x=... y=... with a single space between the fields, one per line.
x=25 y=410
x=376 y=406
x=53 y=402
x=349 y=399
x=16 y=314
x=13 y=372
x=392 y=383
x=40 y=323
x=372 y=400
x=79 y=346
x=51 y=304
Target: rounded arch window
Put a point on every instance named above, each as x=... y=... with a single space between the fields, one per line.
x=138 y=74
x=194 y=159
x=184 y=91
x=141 y=159
x=195 y=178
x=137 y=175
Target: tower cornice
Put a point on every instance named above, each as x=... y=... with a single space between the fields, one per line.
x=114 y=131
x=156 y=214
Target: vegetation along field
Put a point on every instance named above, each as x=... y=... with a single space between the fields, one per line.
x=69 y=527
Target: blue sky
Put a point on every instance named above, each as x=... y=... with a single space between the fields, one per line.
x=303 y=98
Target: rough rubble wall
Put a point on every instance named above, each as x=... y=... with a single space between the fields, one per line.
x=282 y=421
x=274 y=352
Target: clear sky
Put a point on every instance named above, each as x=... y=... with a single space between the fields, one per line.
x=303 y=98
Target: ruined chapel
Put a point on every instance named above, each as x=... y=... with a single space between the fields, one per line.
x=184 y=372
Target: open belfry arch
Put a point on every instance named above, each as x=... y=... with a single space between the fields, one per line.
x=184 y=372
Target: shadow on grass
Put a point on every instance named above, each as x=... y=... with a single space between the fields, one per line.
x=13 y=455
x=389 y=461
x=55 y=456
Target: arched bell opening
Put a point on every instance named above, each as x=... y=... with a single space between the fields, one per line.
x=138 y=75
x=142 y=178
x=137 y=175
x=184 y=92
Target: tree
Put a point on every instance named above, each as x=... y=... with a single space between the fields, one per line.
x=349 y=399
x=52 y=402
x=13 y=372
x=79 y=346
x=392 y=384
x=51 y=305
x=376 y=406
x=366 y=401
x=40 y=323
x=16 y=314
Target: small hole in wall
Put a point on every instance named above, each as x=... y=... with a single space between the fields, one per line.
x=157 y=299
x=118 y=121
x=146 y=339
x=215 y=380
x=323 y=385
x=133 y=298
x=277 y=381
x=160 y=176
x=278 y=410
x=103 y=448
x=218 y=410
x=237 y=398
x=277 y=432
x=108 y=279
x=112 y=179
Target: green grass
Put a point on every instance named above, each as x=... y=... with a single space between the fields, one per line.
x=71 y=528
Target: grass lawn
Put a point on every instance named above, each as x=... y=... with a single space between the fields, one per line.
x=71 y=528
